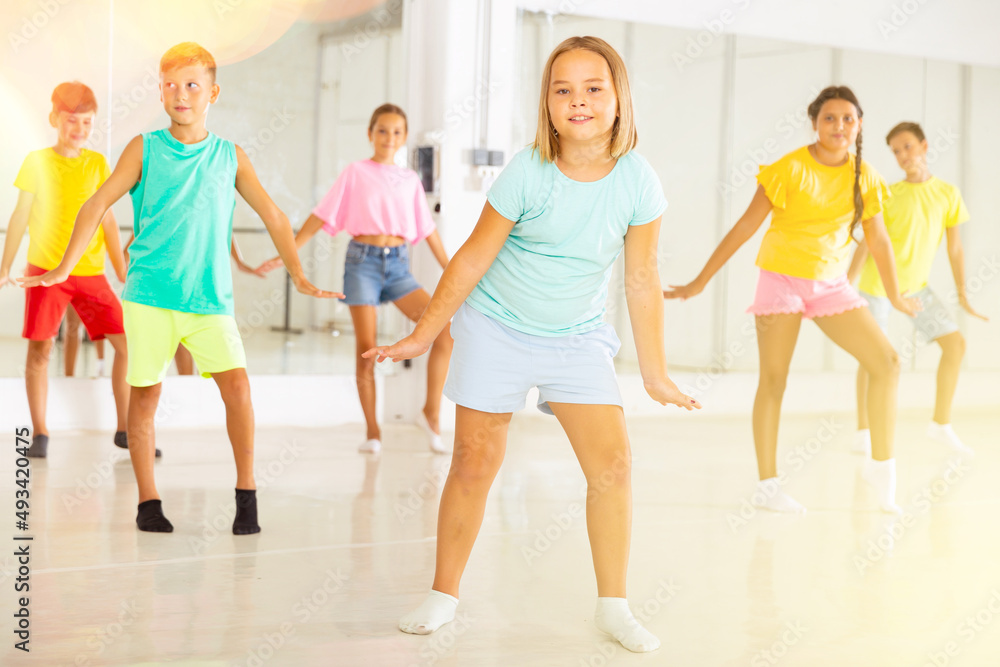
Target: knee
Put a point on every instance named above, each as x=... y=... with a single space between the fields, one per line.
x=364 y=368
x=885 y=366
x=474 y=465
x=615 y=472
x=38 y=353
x=237 y=391
x=145 y=398
x=772 y=383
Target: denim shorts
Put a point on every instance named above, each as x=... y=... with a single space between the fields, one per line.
x=493 y=366
x=375 y=274
x=931 y=323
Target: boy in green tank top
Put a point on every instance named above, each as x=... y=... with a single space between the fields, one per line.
x=179 y=283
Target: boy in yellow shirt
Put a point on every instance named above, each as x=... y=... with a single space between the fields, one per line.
x=54 y=183
x=922 y=210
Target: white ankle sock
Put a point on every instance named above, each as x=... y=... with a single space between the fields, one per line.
x=882 y=476
x=769 y=496
x=99 y=368
x=944 y=434
x=862 y=442
x=615 y=618
x=371 y=446
x=434 y=439
x=437 y=609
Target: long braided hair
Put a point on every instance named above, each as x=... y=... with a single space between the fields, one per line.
x=844 y=93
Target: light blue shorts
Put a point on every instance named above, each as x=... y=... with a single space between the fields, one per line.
x=932 y=322
x=493 y=366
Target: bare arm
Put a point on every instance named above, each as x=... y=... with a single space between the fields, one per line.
x=880 y=247
x=15 y=232
x=462 y=274
x=308 y=230
x=741 y=232
x=644 y=296
x=249 y=187
x=113 y=244
x=126 y=174
x=237 y=256
x=857 y=262
x=437 y=248
x=956 y=257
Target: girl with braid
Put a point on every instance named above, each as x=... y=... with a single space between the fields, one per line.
x=817 y=195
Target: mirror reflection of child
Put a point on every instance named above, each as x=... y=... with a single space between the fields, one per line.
x=179 y=287
x=383 y=207
x=54 y=183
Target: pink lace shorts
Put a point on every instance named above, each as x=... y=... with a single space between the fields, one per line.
x=778 y=293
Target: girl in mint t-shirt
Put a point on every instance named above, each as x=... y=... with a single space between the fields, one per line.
x=527 y=291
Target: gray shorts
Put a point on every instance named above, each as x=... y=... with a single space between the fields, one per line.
x=493 y=366
x=932 y=322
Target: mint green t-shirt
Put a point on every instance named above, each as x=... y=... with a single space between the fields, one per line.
x=183 y=222
x=551 y=276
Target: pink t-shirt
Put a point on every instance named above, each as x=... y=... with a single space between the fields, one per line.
x=369 y=198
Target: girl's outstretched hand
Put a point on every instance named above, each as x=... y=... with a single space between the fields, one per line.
x=307 y=288
x=666 y=392
x=682 y=292
x=269 y=265
x=907 y=305
x=407 y=348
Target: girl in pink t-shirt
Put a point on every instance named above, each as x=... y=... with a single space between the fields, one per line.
x=383 y=207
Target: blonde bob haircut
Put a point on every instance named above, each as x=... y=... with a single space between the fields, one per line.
x=623 y=133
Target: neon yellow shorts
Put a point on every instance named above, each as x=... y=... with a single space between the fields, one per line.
x=152 y=335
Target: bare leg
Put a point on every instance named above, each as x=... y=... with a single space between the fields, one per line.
x=234 y=386
x=142 y=438
x=480 y=444
x=36 y=380
x=856 y=332
x=952 y=351
x=862 y=398
x=364 y=319
x=119 y=370
x=413 y=305
x=599 y=439
x=71 y=341
x=776 y=337
x=184 y=361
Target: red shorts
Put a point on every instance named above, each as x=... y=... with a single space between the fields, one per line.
x=92 y=299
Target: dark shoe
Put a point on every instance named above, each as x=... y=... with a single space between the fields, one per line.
x=39 y=446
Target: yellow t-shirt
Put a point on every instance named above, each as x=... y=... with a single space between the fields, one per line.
x=813 y=209
x=916 y=216
x=61 y=185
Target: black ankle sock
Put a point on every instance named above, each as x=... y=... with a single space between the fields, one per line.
x=151 y=519
x=245 y=522
x=39 y=446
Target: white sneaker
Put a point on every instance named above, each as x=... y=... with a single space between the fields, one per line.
x=944 y=434
x=371 y=446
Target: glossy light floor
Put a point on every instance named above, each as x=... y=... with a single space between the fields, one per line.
x=347 y=546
